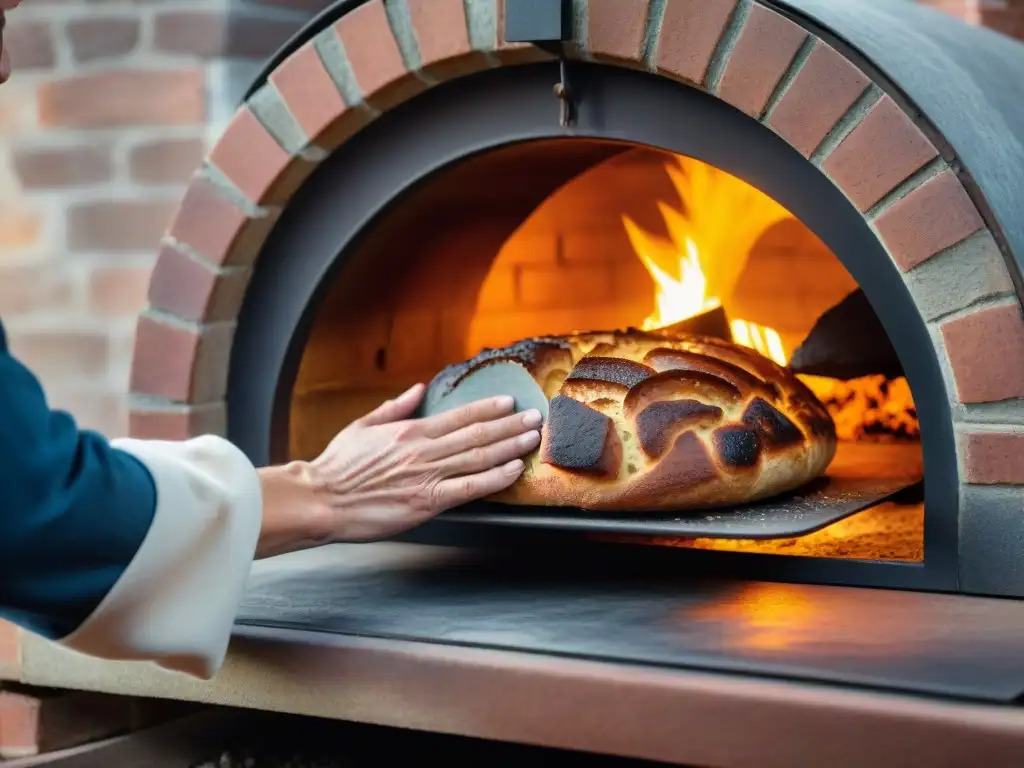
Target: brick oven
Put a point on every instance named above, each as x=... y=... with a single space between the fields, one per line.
x=400 y=191
x=410 y=182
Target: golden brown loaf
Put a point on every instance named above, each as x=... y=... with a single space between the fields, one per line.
x=657 y=421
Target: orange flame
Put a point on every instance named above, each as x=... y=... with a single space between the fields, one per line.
x=696 y=268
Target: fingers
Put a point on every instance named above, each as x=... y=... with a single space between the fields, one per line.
x=494 y=455
x=481 y=410
x=462 y=490
x=402 y=407
x=483 y=433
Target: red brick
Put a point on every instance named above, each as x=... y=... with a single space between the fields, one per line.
x=498 y=292
x=930 y=219
x=764 y=51
x=993 y=458
x=19 y=725
x=302 y=5
x=34 y=289
x=29 y=44
x=314 y=99
x=558 y=287
x=443 y=38
x=616 y=29
x=963 y=9
x=1009 y=21
x=20 y=229
x=194 y=33
x=124 y=97
x=823 y=91
x=57 y=167
x=212 y=226
x=34 y=722
x=103 y=412
x=164 y=359
x=254 y=36
x=102 y=38
x=165 y=161
x=986 y=351
x=414 y=345
x=634 y=285
x=248 y=155
x=56 y=355
x=179 y=363
x=689 y=34
x=212 y=34
x=118 y=225
x=184 y=287
x=10 y=651
x=118 y=291
x=882 y=151
x=525 y=248
x=179 y=424
x=375 y=57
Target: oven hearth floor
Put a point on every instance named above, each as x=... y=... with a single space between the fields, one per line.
x=941 y=645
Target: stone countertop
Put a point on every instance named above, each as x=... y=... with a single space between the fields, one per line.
x=651 y=712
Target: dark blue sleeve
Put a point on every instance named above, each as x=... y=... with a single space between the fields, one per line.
x=73 y=509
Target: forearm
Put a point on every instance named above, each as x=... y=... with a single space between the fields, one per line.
x=75 y=512
x=126 y=549
x=294 y=516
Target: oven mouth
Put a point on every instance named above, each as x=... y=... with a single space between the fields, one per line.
x=335 y=213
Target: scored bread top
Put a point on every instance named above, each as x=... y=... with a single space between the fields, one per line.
x=655 y=420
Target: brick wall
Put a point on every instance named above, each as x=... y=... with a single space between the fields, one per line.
x=1006 y=16
x=110 y=109
x=571 y=265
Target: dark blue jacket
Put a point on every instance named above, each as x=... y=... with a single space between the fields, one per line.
x=73 y=509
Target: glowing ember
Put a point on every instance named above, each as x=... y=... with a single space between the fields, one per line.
x=696 y=268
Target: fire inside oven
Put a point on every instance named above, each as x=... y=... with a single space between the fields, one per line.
x=639 y=238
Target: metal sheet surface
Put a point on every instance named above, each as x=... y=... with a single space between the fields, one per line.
x=810 y=509
x=861 y=476
x=949 y=645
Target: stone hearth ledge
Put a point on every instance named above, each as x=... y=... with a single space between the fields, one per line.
x=652 y=713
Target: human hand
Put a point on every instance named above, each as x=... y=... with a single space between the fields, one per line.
x=386 y=473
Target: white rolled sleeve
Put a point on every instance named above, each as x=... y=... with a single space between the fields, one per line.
x=176 y=602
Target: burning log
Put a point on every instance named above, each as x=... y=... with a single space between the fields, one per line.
x=714 y=323
x=847 y=342
x=852 y=367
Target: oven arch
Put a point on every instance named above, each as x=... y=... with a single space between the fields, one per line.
x=298 y=123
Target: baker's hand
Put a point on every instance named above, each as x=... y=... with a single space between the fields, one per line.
x=386 y=473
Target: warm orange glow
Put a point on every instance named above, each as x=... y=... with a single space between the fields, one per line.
x=696 y=268
x=763 y=617
x=765 y=340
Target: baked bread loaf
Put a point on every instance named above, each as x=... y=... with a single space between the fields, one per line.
x=658 y=421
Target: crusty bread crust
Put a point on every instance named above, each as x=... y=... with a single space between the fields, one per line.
x=659 y=421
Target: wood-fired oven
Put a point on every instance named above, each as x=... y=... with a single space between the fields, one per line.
x=408 y=183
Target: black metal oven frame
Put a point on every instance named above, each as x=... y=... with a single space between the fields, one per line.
x=355 y=187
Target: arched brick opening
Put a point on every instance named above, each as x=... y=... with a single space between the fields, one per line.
x=833 y=107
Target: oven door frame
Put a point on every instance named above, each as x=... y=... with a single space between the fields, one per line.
x=355 y=186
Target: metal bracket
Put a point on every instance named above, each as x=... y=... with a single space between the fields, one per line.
x=564 y=94
x=538 y=21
